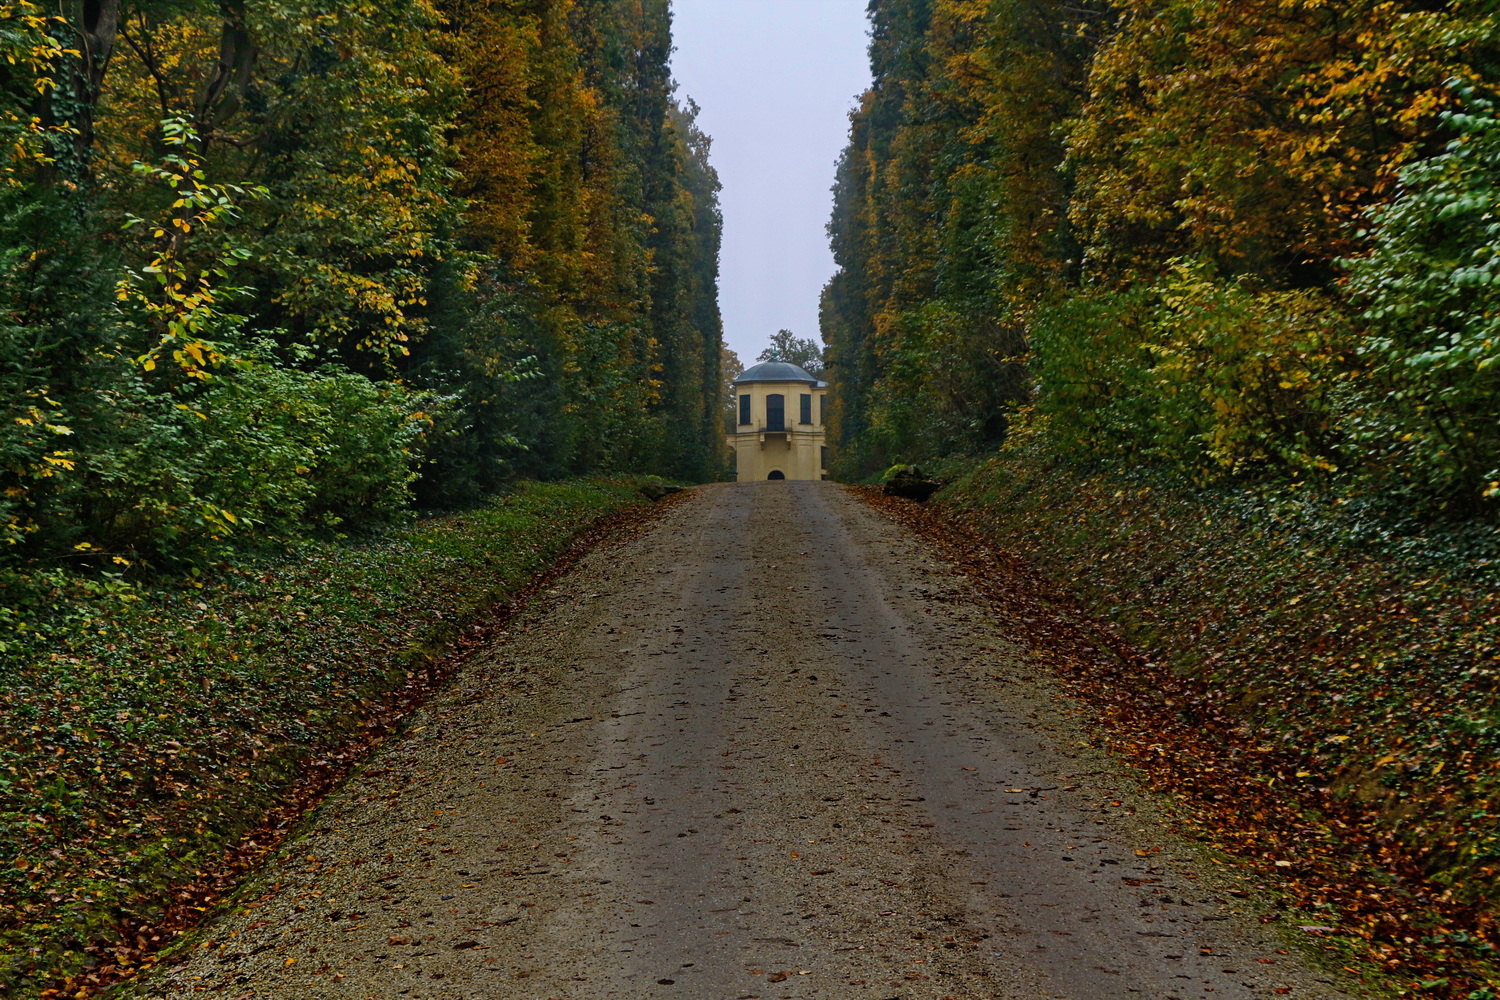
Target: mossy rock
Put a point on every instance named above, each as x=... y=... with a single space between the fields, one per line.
x=907 y=481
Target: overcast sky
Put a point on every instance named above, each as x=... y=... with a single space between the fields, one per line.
x=776 y=80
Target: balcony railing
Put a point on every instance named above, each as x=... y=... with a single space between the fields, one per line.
x=782 y=428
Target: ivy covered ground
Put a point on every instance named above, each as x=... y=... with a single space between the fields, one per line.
x=1314 y=679
x=146 y=731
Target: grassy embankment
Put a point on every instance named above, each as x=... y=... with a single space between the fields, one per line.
x=1316 y=683
x=154 y=727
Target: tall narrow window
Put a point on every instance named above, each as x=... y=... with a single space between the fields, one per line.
x=775 y=412
x=822 y=397
x=745 y=408
x=823 y=457
x=805 y=417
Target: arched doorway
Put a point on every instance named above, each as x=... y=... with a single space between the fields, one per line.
x=776 y=474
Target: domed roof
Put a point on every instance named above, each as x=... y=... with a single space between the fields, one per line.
x=774 y=371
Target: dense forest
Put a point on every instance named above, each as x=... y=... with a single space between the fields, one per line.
x=1229 y=239
x=275 y=264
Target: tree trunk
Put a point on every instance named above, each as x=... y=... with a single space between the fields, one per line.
x=95 y=24
x=224 y=93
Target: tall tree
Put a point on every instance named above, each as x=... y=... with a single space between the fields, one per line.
x=1131 y=224
x=803 y=352
x=261 y=259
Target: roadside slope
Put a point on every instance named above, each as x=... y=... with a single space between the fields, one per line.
x=1314 y=682
x=155 y=727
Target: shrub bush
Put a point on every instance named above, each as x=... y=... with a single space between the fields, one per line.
x=1205 y=375
x=1430 y=288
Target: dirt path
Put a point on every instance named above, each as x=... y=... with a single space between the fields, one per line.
x=769 y=749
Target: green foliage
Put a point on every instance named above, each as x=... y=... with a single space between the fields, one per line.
x=1430 y=288
x=288 y=449
x=115 y=458
x=31 y=43
x=175 y=298
x=354 y=154
x=1196 y=374
x=488 y=349
x=260 y=449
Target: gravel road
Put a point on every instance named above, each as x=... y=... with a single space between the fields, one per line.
x=767 y=748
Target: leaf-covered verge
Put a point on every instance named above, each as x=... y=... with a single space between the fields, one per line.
x=154 y=727
x=1313 y=682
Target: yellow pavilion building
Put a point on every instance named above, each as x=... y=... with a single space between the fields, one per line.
x=779 y=430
